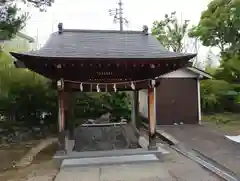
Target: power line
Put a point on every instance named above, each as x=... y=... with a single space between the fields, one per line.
x=118 y=15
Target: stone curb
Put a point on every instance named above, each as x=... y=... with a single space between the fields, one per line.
x=167 y=137
x=29 y=157
x=164 y=136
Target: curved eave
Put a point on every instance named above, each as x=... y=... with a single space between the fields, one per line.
x=28 y=57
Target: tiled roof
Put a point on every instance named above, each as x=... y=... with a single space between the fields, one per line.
x=104 y=44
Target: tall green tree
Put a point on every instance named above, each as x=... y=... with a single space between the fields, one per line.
x=219 y=25
x=171 y=32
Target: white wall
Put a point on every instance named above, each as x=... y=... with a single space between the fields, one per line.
x=143 y=102
x=180 y=73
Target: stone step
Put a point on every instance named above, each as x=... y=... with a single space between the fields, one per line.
x=127 y=159
x=110 y=153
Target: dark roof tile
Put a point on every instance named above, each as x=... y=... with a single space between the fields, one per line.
x=103 y=44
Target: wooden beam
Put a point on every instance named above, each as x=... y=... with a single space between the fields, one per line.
x=103 y=72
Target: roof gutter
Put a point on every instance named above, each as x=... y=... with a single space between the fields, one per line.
x=201 y=73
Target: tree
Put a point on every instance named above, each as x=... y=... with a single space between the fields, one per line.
x=170 y=32
x=12 y=19
x=25 y=96
x=219 y=25
x=214 y=95
x=229 y=69
x=42 y=4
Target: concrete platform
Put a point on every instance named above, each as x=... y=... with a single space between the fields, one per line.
x=113 y=160
x=184 y=170
x=105 y=157
x=59 y=158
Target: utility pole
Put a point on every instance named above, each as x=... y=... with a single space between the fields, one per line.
x=196 y=60
x=118 y=15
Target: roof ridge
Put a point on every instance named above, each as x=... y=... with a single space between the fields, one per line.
x=101 y=31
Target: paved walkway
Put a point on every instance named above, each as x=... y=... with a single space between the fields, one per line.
x=209 y=142
x=174 y=168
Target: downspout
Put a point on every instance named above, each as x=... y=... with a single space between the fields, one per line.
x=199 y=100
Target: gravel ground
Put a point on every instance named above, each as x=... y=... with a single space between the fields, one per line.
x=44 y=171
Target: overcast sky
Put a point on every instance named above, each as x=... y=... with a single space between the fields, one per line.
x=93 y=14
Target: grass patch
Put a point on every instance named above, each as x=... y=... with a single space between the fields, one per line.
x=227 y=122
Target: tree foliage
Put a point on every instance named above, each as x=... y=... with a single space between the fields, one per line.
x=170 y=32
x=12 y=19
x=42 y=4
x=229 y=69
x=25 y=96
x=93 y=105
x=220 y=25
x=219 y=96
x=28 y=102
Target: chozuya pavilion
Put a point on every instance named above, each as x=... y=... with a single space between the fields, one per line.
x=106 y=60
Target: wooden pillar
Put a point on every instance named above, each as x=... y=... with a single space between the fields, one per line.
x=135 y=108
x=152 y=116
x=61 y=116
x=70 y=114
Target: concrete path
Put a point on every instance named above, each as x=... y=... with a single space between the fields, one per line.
x=28 y=158
x=174 y=168
x=209 y=142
